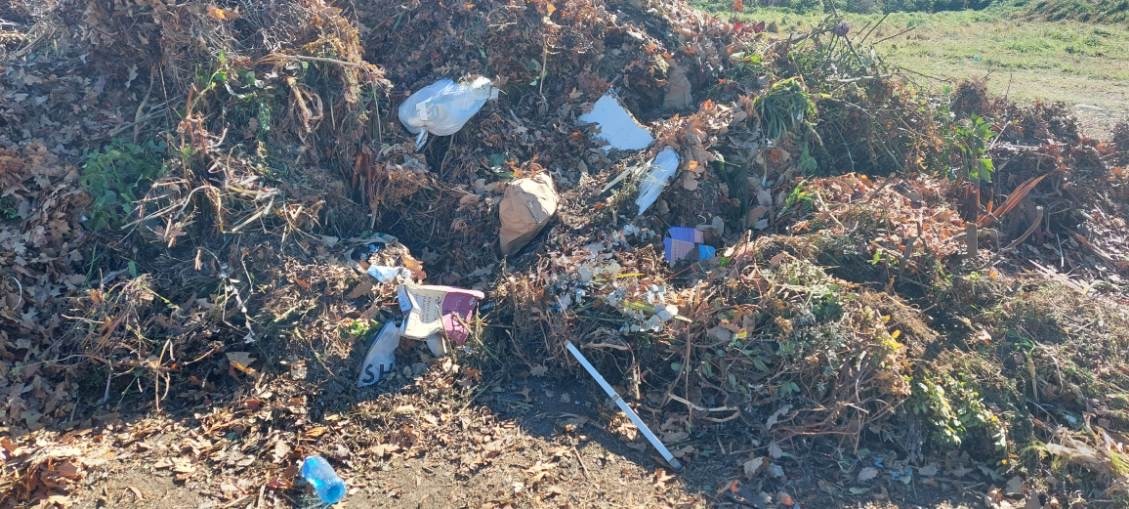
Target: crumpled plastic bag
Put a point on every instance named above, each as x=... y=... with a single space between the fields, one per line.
x=386 y=274
x=387 y=260
x=444 y=107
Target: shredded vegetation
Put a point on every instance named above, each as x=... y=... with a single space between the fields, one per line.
x=917 y=286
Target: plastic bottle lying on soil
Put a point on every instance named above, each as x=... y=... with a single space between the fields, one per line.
x=316 y=471
x=660 y=171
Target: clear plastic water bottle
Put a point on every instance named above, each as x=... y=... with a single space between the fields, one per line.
x=316 y=471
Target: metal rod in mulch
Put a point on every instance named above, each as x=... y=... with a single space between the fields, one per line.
x=658 y=445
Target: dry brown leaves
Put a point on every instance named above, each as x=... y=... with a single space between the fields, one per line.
x=912 y=211
x=41 y=244
x=46 y=467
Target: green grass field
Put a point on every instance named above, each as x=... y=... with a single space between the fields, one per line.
x=1085 y=65
x=1106 y=11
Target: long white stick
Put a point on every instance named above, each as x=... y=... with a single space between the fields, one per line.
x=658 y=445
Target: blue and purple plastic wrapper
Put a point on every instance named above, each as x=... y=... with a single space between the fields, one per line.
x=684 y=242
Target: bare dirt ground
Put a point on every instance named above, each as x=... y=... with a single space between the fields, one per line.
x=534 y=443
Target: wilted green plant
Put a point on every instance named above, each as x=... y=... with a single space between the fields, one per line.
x=784 y=107
x=954 y=411
x=116 y=176
x=360 y=328
x=8 y=208
x=799 y=197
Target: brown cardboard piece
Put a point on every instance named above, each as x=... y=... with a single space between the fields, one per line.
x=526 y=208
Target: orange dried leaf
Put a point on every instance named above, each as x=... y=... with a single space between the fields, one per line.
x=241 y=362
x=316 y=431
x=221 y=14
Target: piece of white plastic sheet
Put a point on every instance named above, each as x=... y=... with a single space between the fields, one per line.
x=381 y=356
x=617 y=126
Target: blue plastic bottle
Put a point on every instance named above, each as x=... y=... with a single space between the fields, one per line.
x=316 y=471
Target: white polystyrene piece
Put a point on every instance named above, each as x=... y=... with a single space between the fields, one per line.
x=662 y=169
x=438 y=346
x=618 y=128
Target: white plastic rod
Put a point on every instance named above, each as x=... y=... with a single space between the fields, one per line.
x=658 y=445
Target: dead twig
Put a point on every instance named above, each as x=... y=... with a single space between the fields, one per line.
x=873 y=28
x=1012 y=201
x=584 y=468
x=1030 y=230
x=272 y=57
x=20 y=294
x=736 y=411
x=903 y=32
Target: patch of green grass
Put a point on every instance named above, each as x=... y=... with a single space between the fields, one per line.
x=785 y=107
x=1090 y=11
x=799 y=197
x=360 y=329
x=859 y=6
x=116 y=176
x=8 y=208
x=1085 y=65
x=1103 y=11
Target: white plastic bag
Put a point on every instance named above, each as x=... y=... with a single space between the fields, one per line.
x=444 y=107
x=661 y=170
x=618 y=126
x=381 y=356
x=386 y=274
